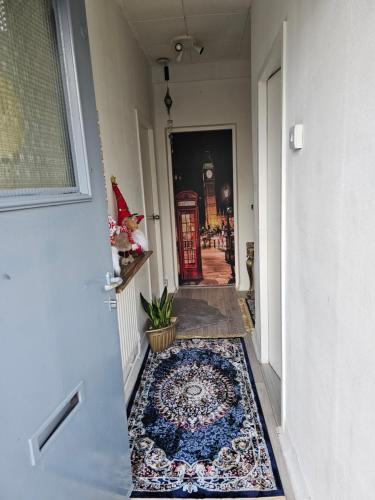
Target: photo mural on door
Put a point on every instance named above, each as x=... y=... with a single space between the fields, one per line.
x=202 y=165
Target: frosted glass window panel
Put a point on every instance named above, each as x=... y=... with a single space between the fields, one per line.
x=35 y=150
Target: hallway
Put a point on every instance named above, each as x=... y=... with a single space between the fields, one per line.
x=269 y=205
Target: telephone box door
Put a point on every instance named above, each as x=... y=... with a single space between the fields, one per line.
x=188 y=240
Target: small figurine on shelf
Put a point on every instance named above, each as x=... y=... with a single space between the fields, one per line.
x=119 y=243
x=139 y=241
x=129 y=222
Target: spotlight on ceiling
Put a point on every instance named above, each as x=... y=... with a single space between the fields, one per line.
x=179 y=56
x=183 y=43
x=178 y=47
x=198 y=48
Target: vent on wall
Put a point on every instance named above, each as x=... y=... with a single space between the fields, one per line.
x=54 y=423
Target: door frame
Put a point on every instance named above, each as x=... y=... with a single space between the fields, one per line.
x=276 y=60
x=202 y=128
x=141 y=120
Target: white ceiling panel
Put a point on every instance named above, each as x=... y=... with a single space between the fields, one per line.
x=155 y=51
x=158 y=32
x=141 y=10
x=220 y=50
x=220 y=25
x=200 y=7
x=246 y=41
x=216 y=27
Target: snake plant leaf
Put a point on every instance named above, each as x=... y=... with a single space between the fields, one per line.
x=145 y=304
x=159 y=311
x=164 y=297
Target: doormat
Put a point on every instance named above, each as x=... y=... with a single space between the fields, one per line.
x=208 y=313
x=246 y=316
x=196 y=426
x=250 y=301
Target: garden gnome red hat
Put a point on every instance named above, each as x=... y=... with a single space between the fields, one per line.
x=123 y=211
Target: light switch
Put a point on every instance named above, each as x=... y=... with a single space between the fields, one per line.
x=296 y=137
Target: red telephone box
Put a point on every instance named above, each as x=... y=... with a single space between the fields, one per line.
x=188 y=239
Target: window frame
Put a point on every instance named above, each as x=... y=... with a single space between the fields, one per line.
x=12 y=199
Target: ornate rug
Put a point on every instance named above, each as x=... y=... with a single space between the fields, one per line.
x=196 y=426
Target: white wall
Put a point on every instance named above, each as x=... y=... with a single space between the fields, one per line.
x=330 y=244
x=207 y=94
x=122 y=80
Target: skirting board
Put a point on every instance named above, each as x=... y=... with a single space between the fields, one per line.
x=256 y=346
x=293 y=467
x=130 y=383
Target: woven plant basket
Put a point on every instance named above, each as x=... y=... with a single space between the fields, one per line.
x=163 y=337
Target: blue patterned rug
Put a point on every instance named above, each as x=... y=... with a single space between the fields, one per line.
x=196 y=426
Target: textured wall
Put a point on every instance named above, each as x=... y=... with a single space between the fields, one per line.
x=122 y=79
x=330 y=242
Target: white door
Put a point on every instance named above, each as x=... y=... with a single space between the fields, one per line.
x=151 y=202
x=63 y=427
x=274 y=126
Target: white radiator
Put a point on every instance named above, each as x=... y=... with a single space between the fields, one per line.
x=130 y=340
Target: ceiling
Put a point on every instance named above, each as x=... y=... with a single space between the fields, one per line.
x=222 y=26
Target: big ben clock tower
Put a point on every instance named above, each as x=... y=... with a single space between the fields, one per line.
x=209 y=191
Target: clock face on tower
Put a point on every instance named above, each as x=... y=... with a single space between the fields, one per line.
x=209 y=174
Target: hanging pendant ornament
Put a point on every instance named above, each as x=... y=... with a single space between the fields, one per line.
x=168 y=102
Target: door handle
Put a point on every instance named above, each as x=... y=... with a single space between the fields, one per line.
x=154 y=217
x=112 y=282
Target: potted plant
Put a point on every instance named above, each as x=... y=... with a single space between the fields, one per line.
x=161 y=330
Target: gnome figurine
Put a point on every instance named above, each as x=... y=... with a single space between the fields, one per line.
x=140 y=244
x=129 y=222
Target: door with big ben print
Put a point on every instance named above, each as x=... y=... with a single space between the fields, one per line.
x=202 y=163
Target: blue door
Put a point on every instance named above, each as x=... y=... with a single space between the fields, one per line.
x=63 y=430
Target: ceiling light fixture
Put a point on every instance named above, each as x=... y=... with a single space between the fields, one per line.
x=198 y=48
x=183 y=43
x=178 y=47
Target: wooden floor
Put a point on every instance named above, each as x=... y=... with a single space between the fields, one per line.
x=225 y=299
x=269 y=415
x=272 y=381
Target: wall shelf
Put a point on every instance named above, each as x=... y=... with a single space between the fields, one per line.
x=129 y=271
